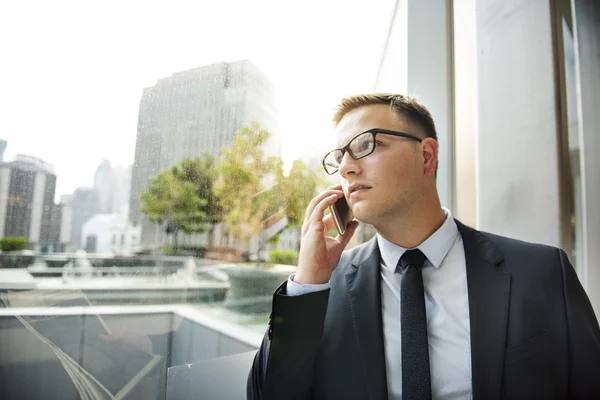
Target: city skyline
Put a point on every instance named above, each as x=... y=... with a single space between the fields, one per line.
x=82 y=107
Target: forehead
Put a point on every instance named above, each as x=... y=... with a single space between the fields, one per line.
x=368 y=117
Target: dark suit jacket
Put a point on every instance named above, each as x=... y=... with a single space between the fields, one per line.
x=534 y=334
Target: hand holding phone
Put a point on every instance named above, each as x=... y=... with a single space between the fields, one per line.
x=319 y=253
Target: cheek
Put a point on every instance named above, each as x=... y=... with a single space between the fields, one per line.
x=388 y=174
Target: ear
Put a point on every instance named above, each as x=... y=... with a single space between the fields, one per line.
x=430 y=155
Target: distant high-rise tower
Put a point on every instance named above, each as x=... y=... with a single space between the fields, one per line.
x=102 y=187
x=193 y=112
x=27 y=209
x=82 y=207
x=111 y=189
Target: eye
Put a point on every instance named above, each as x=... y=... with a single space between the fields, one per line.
x=364 y=145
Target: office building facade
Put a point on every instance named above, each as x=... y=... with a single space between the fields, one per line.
x=27 y=209
x=194 y=112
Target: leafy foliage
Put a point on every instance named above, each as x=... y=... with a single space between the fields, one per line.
x=298 y=189
x=182 y=197
x=13 y=243
x=289 y=257
x=242 y=186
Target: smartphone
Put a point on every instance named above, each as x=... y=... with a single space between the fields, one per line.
x=341 y=214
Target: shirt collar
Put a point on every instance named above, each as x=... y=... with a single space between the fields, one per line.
x=435 y=247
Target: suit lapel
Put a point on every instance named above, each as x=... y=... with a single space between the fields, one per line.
x=489 y=296
x=364 y=292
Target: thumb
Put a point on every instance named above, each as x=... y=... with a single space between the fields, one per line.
x=345 y=238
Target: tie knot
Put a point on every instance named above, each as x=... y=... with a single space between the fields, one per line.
x=413 y=257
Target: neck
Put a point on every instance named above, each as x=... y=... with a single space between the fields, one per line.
x=414 y=226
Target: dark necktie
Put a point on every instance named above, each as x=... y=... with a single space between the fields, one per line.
x=416 y=379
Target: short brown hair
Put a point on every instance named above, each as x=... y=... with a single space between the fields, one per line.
x=407 y=107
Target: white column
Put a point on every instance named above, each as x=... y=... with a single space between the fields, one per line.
x=517 y=149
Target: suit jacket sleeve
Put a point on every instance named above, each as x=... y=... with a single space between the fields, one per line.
x=283 y=366
x=583 y=336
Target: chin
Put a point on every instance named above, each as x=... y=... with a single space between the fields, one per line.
x=361 y=213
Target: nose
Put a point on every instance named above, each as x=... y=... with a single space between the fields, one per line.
x=349 y=165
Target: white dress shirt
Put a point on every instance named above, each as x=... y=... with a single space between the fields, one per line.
x=447 y=305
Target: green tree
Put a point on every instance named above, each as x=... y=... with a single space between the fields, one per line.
x=181 y=198
x=243 y=184
x=201 y=173
x=298 y=189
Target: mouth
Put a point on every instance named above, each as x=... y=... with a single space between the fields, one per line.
x=358 y=189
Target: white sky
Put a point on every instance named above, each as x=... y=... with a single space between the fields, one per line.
x=72 y=72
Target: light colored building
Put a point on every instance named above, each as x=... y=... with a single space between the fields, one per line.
x=193 y=112
x=120 y=190
x=112 y=186
x=109 y=194
x=110 y=233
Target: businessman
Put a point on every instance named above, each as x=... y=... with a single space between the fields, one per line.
x=428 y=308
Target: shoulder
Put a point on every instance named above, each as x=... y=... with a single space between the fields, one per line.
x=527 y=259
x=508 y=246
x=523 y=259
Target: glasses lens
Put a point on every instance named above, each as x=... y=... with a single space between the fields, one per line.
x=332 y=160
x=362 y=145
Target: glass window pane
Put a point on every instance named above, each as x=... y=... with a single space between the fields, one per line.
x=142 y=223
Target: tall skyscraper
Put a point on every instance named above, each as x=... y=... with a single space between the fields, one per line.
x=193 y=112
x=27 y=208
x=82 y=208
x=102 y=187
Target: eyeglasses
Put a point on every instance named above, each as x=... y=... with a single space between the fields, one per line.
x=360 y=146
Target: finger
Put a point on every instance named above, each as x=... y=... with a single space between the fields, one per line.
x=317 y=200
x=335 y=187
x=319 y=211
x=328 y=222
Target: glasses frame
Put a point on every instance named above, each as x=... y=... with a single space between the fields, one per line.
x=374 y=132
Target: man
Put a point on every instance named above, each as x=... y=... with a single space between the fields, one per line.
x=429 y=308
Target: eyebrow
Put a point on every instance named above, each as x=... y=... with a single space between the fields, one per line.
x=338 y=146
